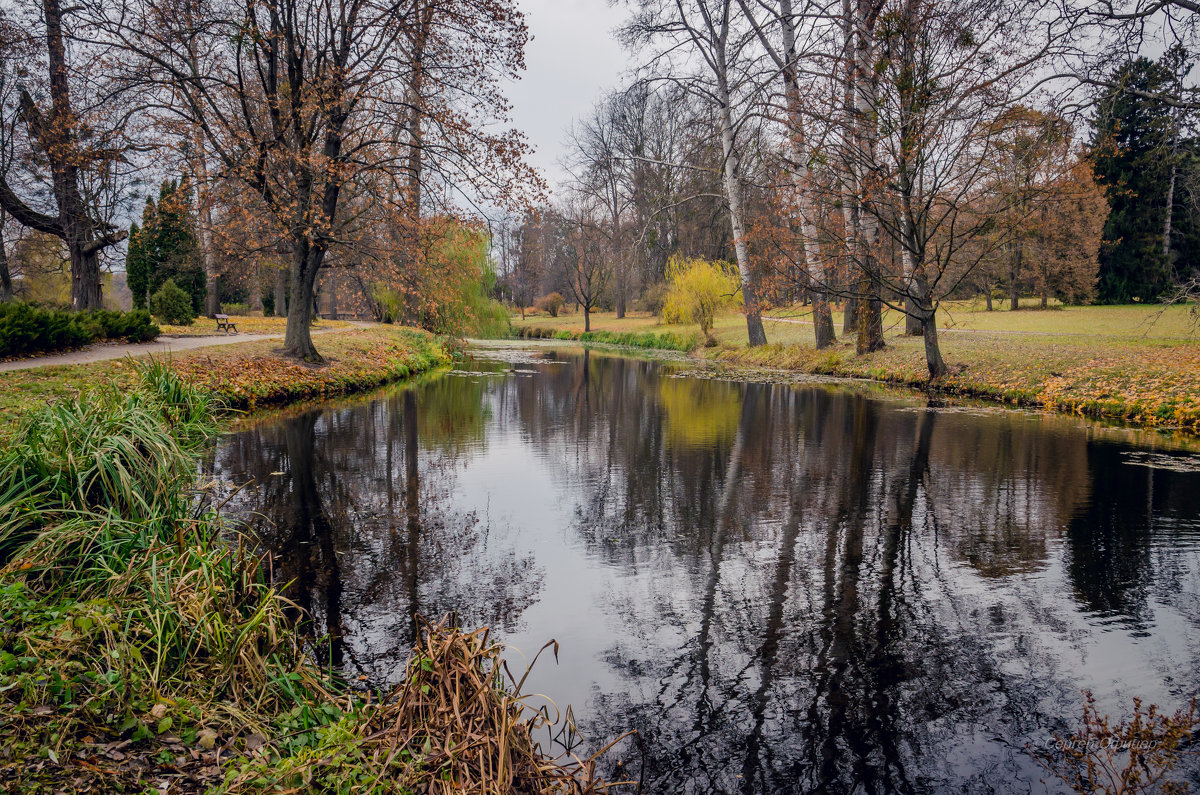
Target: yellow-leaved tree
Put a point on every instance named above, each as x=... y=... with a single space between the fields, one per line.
x=698 y=290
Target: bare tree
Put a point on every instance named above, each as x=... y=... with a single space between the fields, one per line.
x=602 y=174
x=785 y=54
x=584 y=250
x=81 y=145
x=299 y=102
x=708 y=32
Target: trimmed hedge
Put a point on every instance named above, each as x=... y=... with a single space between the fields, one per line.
x=667 y=340
x=27 y=329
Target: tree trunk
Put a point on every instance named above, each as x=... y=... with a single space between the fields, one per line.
x=870 y=310
x=1166 y=238
x=928 y=317
x=204 y=234
x=6 y=292
x=306 y=264
x=733 y=194
x=822 y=317
x=987 y=291
x=333 y=294
x=587 y=317
x=849 y=317
x=1014 y=273
x=870 y=318
x=280 y=292
x=933 y=353
x=912 y=313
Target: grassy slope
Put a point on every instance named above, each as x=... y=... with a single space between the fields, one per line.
x=249 y=374
x=1113 y=362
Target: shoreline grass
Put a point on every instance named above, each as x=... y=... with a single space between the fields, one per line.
x=142 y=647
x=670 y=341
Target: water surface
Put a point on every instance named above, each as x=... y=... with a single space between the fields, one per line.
x=783 y=588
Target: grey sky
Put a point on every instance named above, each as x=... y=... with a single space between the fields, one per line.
x=572 y=60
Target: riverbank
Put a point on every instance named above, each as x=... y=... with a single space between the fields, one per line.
x=248 y=374
x=142 y=645
x=1154 y=386
x=1115 y=366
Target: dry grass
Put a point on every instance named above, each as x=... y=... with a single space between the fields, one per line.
x=246 y=324
x=458 y=724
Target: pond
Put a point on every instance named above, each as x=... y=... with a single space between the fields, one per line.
x=783 y=587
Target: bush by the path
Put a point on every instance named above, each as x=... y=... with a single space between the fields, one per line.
x=171 y=305
x=27 y=329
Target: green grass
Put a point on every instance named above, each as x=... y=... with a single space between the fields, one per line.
x=127 y=613
x=136 y=625
x=667 y=340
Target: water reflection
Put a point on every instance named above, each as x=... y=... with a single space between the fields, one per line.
x=783 y=588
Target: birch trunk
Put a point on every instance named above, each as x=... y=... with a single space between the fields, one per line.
x=733 y=194
x=813 y=259
x=870 y=310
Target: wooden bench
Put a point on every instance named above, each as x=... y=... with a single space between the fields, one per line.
x=225 y=324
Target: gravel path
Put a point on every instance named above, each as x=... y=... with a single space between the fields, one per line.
x=102 y=352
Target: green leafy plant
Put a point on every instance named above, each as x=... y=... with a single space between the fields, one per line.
x=171 y=305
x=28 y=329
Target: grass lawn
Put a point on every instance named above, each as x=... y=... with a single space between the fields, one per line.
x=245 y=375
x=1112 y=362
x=246 y=324
x=1134 y=323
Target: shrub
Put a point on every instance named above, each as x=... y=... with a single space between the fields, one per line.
x=239 y=309
x=26 y=329
x=653 y=298
x=698 y=290
x=550 y=304
x=135 y=326
x=172 y=305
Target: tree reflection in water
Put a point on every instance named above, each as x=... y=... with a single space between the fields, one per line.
x=783 y=588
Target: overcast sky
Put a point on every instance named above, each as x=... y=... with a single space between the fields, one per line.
x=571 y=61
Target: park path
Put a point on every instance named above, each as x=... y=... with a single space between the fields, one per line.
x=103 y=352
